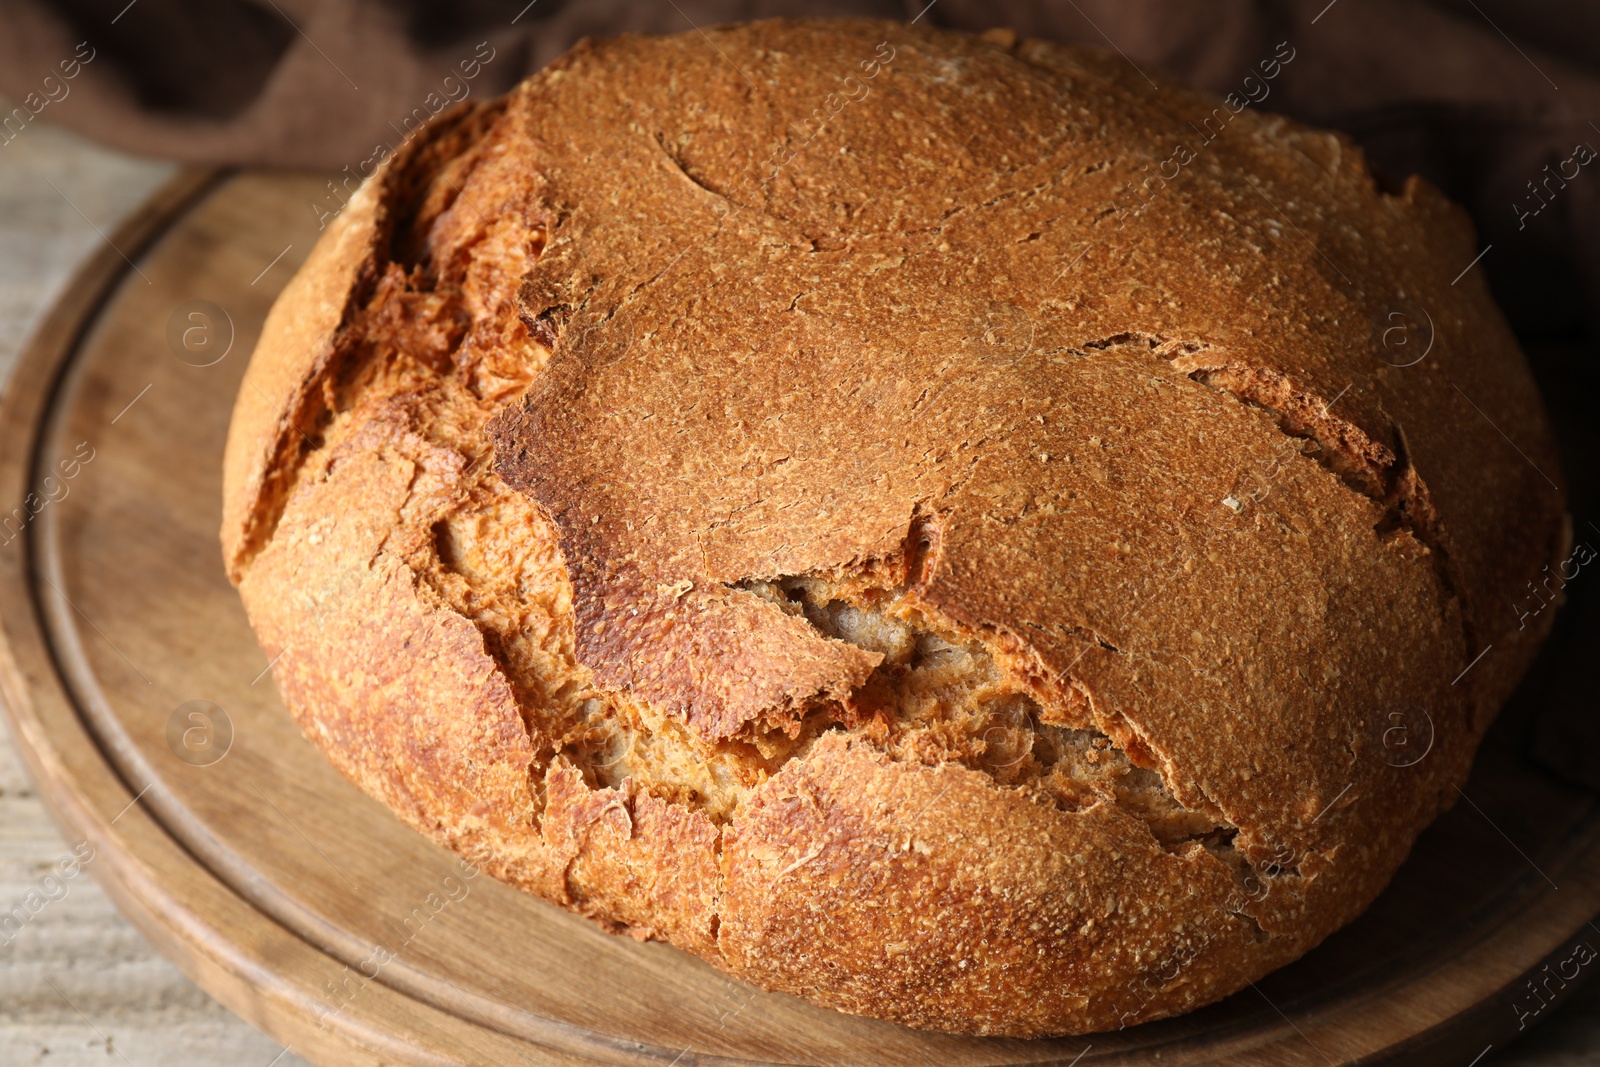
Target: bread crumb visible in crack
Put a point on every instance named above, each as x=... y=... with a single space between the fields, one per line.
x=937 y=698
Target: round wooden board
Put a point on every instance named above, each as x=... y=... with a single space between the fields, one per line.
x=279 y=887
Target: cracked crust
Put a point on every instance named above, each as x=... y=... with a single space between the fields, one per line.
x=979 y=603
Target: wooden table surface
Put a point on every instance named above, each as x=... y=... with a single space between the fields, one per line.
x=78 y=985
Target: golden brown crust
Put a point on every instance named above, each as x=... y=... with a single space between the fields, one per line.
x=284 y=400
x=296 y=338
x=829 y=495
x=875 y=886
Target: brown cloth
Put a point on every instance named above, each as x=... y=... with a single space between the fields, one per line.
x=1495 y=101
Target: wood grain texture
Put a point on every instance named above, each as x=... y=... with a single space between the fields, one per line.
x=272 y=881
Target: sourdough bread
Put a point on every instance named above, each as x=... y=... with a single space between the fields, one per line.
x=843 y=498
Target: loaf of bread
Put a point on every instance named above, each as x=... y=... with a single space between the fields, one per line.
x=939 y=525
